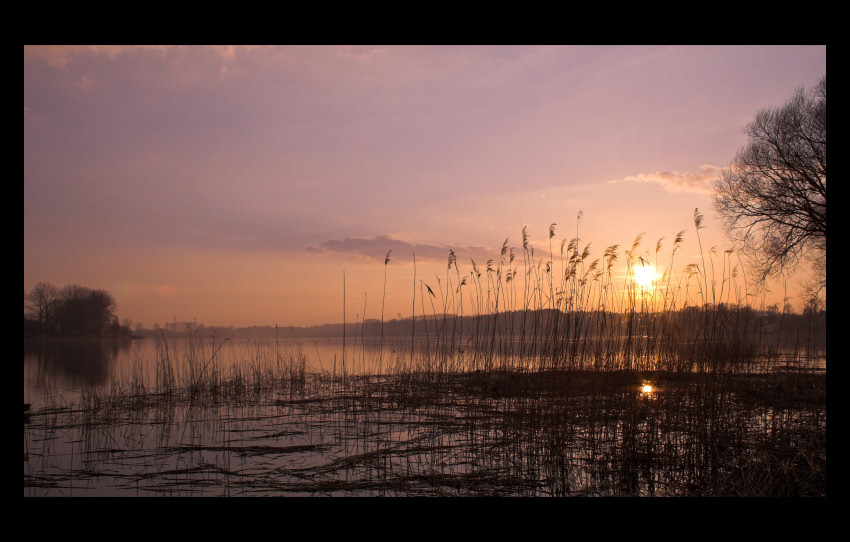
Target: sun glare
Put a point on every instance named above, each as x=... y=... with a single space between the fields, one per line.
x=645 y=276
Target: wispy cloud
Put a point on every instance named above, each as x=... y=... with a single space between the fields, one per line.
x=86 y=83
x=179 y=56
x=219 y=163
x=376 y=248
x=59 y=56
x=675 y=181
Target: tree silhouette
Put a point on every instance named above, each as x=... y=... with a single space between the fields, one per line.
x=84 y=311
x=73 y=310
x=40 y=303
x=773 y=196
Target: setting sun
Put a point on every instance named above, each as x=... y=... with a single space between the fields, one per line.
x=645 y=276
x=425 y=270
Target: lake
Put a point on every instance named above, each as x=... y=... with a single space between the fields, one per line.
x=211 y=416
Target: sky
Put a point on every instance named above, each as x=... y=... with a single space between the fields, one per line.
x=264 y=185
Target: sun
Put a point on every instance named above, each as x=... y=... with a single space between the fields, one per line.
x=645 y=276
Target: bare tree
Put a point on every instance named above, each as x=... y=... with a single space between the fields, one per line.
x=773 y=196
x=40 y=303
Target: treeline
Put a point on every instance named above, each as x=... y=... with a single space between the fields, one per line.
x=544 y=324
x=71 y=311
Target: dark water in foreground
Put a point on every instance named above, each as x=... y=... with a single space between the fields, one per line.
x=103 y=423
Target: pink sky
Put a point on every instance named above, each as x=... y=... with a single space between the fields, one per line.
x=235 y=185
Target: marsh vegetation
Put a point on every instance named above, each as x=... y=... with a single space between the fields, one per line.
x=522 y=377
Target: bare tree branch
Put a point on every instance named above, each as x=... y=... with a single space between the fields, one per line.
x=773 y=196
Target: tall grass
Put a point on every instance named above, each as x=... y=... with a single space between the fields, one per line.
x=536 y=388
x=589 y=314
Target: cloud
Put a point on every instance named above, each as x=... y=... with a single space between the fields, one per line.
x=376 y=248
x=59 y=56
x=359 y=53
x=86 y=83
x=679 y=182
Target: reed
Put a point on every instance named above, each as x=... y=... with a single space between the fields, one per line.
x=506 y=389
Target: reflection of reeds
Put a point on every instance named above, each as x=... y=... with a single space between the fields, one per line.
x=564 y=432
x=198 y=373
x=502 y=394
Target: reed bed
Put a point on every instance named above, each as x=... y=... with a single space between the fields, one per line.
x=575 y=382
x=589 y=433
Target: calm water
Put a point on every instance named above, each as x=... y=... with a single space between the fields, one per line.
x=59 y=369
x=474 y=434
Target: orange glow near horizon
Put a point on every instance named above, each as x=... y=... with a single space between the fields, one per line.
x=645 y=277
x=248 y=206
